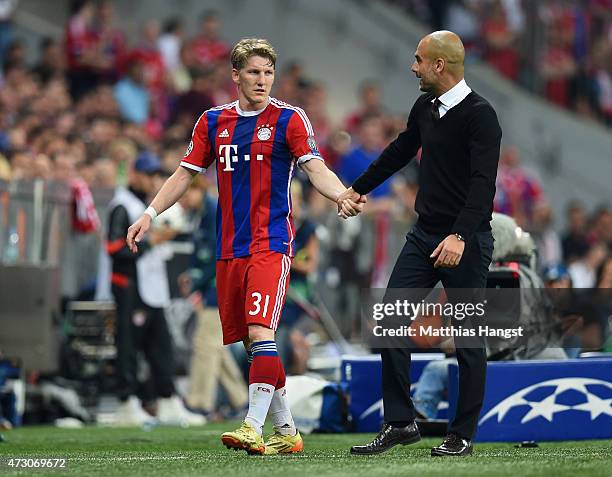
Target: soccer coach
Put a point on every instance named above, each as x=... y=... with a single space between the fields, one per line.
x=451 y=242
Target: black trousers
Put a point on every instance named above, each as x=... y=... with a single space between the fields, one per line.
x=139 y=327
x=414 y=269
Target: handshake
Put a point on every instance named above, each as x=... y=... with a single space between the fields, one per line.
x=350 y=203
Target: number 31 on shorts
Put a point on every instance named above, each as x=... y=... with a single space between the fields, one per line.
x=257 y=299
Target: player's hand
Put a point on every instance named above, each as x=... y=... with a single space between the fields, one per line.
x=350 y=203
x=136 y=232
x=449 y=252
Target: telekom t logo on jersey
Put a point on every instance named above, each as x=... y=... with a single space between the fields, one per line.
x=227 y=155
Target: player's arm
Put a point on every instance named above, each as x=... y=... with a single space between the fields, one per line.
x=172 y=190
x=323 y=179
x=301 y=143
x=326 y=182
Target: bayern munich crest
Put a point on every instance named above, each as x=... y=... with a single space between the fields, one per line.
x=264 y=133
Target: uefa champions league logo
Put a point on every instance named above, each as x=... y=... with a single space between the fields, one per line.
x=593 y=404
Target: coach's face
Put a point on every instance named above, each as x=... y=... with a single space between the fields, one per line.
x=255 y=81
x=425 y=68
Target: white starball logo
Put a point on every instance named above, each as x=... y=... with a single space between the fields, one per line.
x=549 y=406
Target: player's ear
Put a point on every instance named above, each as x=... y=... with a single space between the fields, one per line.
x=236 y=76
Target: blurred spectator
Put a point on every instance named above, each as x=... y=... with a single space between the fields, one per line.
x=110 y=41
x=462 y=18
x=500 y=41
x=545 y=236
x=123 y=153
x=132 y=95
x=315 y=104
x=84 y=215
x=583 y=271
x=106 y=174
x=338 y=145
x=370 y=143
x=601 y=226
x=369 y=105
x=15 y=52
x=51 y=63
x=21 y=166
x=286 y=89
x=170 y=44
x=190 y=105
x=518 y=191
x=207 y=47
x=80 y=47
x=180 y=77
x=558 y=66
x=574 y=241
x=154 y=74
x=42 y=167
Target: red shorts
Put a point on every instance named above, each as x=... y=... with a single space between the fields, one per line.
x=251 y=291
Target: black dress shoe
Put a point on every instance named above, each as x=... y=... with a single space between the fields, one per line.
x=453 y=445
x=389 y=437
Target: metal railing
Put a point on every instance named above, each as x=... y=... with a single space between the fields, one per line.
x=34 y=221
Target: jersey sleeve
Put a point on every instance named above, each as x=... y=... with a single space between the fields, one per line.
x=300 y=138
x=198 y=155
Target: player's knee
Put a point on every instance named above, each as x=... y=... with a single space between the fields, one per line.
x=260 y=333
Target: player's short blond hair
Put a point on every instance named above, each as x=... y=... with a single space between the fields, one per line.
x=248 y=47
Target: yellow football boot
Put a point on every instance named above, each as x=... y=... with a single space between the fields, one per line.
x=278 y=443
x=244 y=438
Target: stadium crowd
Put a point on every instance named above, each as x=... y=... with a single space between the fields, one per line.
x=560 y=49
x=92 y=103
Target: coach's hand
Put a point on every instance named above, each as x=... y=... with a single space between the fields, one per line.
x=350 y=203
x=137 y=231
x=449 y=252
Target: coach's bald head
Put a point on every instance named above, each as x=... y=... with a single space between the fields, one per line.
x=439 y=61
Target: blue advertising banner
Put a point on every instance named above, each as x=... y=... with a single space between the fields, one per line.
x=544 y=400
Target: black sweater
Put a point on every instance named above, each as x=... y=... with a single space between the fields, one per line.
x=457 y=169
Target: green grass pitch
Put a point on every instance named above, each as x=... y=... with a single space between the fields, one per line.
x=166 y=451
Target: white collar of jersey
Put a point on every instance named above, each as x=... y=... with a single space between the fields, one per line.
x=455 y=95
x=250 y=113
